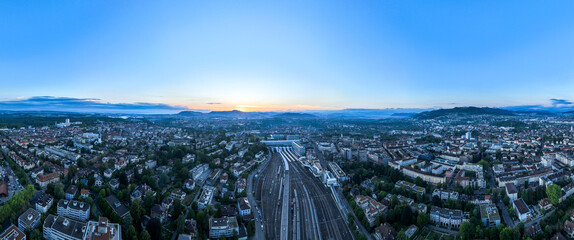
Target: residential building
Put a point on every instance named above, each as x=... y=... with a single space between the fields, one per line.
x=522 y=210
x=191 y=227
x=178 y=194
x=13 y=233
x=385 y=232
x=489 y=215
x=103 y=230
x=243 y=206
x=60 y=228
x=74 y=209
x=44 y=203
x=71 y=192
x=511 y=191
x=189 y=184
x=558 y=236
x=545 y=204
x=410 y=187
x=532 y=230
x=569 y=228
x=241 y=184
x=446 y=217
x=184 y=237
x=119 y=208
x=159 y=212
x=84 y=193
x=223 y=227
x=29 y=219
x=411 y=231
x=206 y=197
x=445 y=194
x=370 y=207
x=44 y=179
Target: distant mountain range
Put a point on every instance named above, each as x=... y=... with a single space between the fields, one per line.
x=316 y=114
x=464 y=111
x=327 y=114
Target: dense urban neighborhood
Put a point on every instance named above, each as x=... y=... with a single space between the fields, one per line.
x=465 y=173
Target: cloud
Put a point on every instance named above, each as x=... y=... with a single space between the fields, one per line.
x=67 y=104
x=557 y=102
x=214 y=103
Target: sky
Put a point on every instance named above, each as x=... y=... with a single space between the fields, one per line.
x=288 y=55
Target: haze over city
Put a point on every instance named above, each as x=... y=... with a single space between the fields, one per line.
x=285 y=55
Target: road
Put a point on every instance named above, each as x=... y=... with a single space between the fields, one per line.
x=538 y=219
x=259 y=234
x=504 y=211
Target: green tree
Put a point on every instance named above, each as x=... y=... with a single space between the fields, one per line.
x=406 y=216
x=36 y=235
x=144 y=235
x=180 y=224
x=554 y=192
x=251 y=228
x=506 y=234
x=131 y=233
x=402 y=235
x=59 y=191
x=466 y=230
x=422 y=220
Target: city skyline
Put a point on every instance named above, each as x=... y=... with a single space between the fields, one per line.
x=286 y=56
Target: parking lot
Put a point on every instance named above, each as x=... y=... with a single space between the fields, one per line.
x=13 y=184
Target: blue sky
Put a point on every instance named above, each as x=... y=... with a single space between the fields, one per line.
x=289 y=55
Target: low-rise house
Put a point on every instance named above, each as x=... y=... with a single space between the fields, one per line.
x=191 y=227
x=370 y=207
x=108 y=173
x=241 y=184
x=84 y=193
x=410 y=187
x=223 y=227
x=243 y=206
x=44 y=203
x=114 y=183
x=411 y=231
x=532 y=230
x=206 y=197
x=569 y=229
x=119 y=208
x=545 y=204
x=489 y=215
x=223 y=178
x=178 y=194
x=159 y=212
x=558 y=236
x=445 y=194
x=71 y=192
x=189 y=184
x=385 y=232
